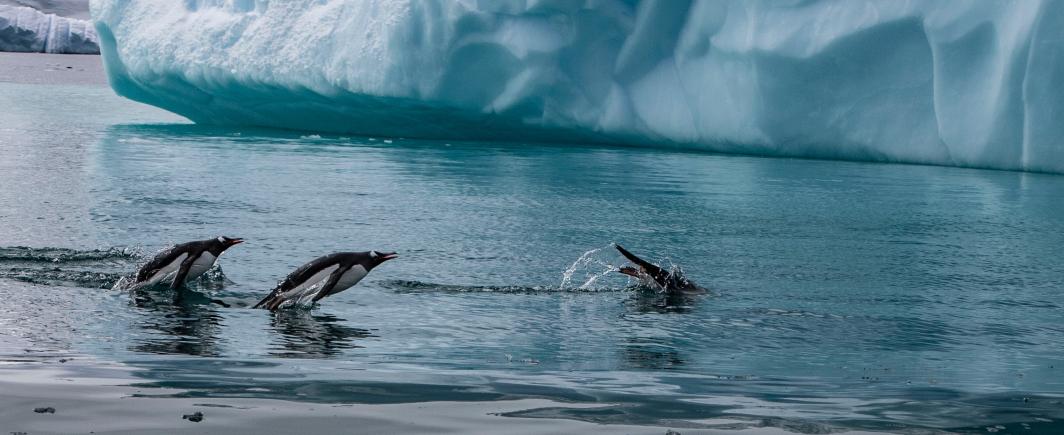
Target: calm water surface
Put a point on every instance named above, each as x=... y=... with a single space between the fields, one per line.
x=845 y=295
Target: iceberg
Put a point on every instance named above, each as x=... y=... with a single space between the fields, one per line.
x=26 y=29
x=64 y=8
x=960 y=82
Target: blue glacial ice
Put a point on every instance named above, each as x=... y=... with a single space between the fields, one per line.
x=64 y=8
x=966 y=83
x=25 y=29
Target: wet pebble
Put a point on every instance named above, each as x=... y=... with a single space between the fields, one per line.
x=194 y=417
x=43 y=410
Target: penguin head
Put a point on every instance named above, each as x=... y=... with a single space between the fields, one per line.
x=224 y=242
x=376 y=258
x=631 y=271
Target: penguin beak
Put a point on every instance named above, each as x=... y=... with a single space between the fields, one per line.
x=236 y=241
x=385 y=256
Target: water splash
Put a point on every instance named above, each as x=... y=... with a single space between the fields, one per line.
x=306 y=298
x=583 y=275
x=595 y=264
x=592 y=267
x=213 y=279
x=124 y=283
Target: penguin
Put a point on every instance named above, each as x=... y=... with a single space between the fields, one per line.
x=180 y=263
x=323 y=276
x=670 y=282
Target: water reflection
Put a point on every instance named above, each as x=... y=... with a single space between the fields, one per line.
x=644 y=301
x=641 y=351
x=651 y=353
x=186 y=323
x=303 y=334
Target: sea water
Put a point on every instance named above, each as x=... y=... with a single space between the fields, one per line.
x=843 y=295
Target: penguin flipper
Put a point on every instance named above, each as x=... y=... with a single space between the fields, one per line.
x=182 y=273
x=330 y=284
x=156 y=264
x=275 y=299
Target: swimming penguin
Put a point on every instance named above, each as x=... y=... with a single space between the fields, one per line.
x=324 y=276
x=672 y=282
x=180 y=263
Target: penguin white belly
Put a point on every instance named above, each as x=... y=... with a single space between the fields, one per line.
x=201 y=265
x=351 y=277
x=166 y=273
x=307 y=289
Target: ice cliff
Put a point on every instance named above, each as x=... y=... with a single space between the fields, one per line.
x=968 y=83
x=29 y=30
x=64 y=8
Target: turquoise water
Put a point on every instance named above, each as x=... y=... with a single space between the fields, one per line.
x=844 y=295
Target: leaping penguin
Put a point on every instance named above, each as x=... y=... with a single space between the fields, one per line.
x=183 y=262
x=323 y=276
x=672 y=282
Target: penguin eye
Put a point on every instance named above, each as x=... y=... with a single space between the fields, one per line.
x=221 y=239
x=373 y=254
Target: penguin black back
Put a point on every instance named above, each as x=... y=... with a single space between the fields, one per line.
x=187 y=254
x=335 y=272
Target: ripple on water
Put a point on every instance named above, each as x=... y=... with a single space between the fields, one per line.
x=928 y=288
